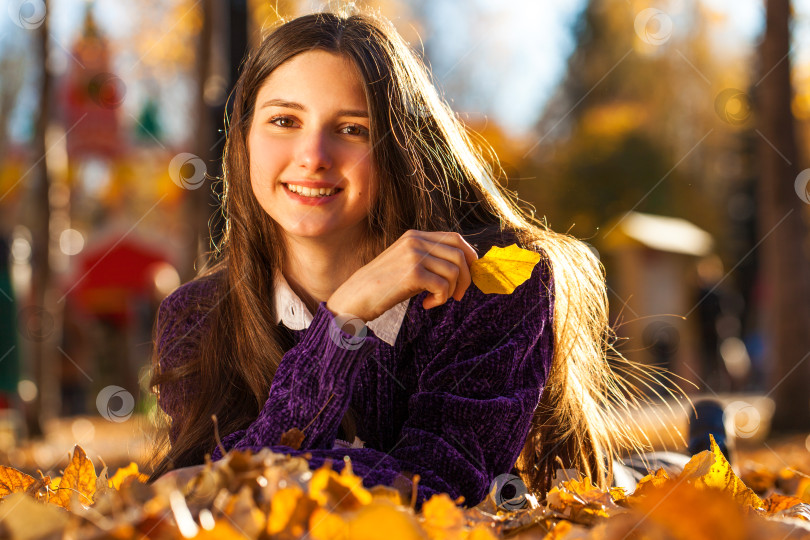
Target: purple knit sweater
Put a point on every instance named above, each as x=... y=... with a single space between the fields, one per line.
x=452 y=400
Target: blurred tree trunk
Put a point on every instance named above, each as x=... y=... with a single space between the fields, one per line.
x=39 y=219
x=197 y=201
x=12 y=70
x=230 y=38
x=785 y=271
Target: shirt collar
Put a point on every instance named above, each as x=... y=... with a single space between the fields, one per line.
x=295 y=315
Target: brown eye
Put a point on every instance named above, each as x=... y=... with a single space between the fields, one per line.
x=355 y=130
x=279 y=119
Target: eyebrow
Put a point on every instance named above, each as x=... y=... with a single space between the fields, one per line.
x=297 y=106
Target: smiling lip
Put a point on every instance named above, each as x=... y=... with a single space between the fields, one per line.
x=313 y=201
x=313 y=185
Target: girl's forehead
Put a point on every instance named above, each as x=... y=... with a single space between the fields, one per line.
x=317 y=76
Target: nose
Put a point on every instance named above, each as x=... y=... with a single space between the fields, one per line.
x=312 y=154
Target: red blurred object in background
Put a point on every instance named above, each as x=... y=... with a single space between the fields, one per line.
x=91 y=97
x=110 y=275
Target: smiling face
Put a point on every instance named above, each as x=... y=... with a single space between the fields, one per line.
x=311 y=128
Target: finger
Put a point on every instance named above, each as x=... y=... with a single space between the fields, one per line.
x=455 y=256
x=440 y=278
x=453 y=239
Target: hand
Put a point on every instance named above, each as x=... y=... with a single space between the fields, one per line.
x=417 y=261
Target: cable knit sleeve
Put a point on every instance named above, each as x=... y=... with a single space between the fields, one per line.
x=311 y=388
x=483 y=363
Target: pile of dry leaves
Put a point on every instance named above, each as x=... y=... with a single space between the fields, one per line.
x=268 y=495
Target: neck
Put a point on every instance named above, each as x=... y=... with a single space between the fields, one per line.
x=316 y=267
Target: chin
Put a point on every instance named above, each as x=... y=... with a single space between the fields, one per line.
x=310 y=232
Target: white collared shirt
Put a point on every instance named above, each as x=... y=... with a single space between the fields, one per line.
x=295 y=315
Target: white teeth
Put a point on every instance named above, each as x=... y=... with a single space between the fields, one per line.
x=308 y=192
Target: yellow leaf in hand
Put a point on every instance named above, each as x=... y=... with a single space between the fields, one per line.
x=710 y=468
x=501 y=270
x=79 y=476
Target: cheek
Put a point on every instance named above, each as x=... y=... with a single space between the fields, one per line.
x=363 y=168
x=268 y=155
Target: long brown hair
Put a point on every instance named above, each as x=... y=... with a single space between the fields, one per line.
x=434 y=175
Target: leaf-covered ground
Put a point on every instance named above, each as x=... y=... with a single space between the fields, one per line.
x=267 y=495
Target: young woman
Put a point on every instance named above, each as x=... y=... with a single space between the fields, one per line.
x=349 y=313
